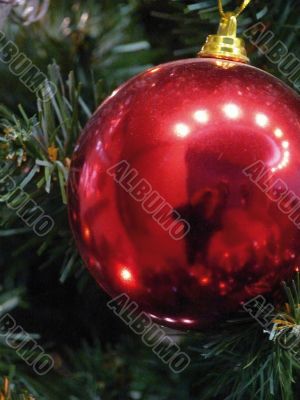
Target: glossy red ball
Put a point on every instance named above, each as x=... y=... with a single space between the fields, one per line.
x=183 y=189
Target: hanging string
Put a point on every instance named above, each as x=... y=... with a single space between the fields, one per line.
x=237 y=11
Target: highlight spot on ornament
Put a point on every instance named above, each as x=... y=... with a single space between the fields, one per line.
x=286 y=157
x=126 y=275
x=205 y=280
x=187 y=321
x=153 y=70
x=115 y=92
x=232 y=111
x=285 y=144
x=284 y=162
x=86 y=233
x=182 y=130
x=152 y=316
x=278 y=133
x=261 y=120
x=201 y=116
x=169 y=320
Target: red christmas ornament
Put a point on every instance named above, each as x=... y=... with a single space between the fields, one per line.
x=184 y=186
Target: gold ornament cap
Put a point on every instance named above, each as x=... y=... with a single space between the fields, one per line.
x=225 y=44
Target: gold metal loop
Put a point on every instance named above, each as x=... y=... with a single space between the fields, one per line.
x=225 y=44
x=237 y=11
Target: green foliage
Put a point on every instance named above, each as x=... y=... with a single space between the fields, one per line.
x=25 y=143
